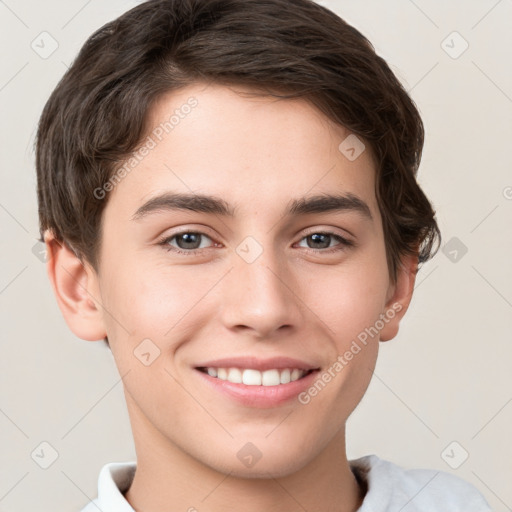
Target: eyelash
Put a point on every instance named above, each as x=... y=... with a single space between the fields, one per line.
x=342 y=245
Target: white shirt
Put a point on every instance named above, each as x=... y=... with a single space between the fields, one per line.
x=390 y=488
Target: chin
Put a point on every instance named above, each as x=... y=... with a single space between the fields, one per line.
x=249 y=461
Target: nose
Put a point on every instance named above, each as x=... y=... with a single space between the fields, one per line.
x=261 y=297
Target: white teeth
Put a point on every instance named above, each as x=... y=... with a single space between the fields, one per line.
x=252 y=377
x=234 y=375
x=295 y=374
x=285 y=376
x=270 y=378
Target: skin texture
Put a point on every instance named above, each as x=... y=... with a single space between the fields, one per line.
x=296 y=299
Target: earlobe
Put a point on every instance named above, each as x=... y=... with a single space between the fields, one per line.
x=75 y=285
x=400 y=297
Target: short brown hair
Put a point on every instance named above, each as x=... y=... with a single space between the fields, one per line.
x=95 y=117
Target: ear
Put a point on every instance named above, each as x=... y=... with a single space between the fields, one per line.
x=76 y=289
x=399 y=297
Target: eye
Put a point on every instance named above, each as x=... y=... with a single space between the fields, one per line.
x=187 y=242
x=322 y=240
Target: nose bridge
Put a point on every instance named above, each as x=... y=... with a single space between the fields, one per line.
x=259 y=292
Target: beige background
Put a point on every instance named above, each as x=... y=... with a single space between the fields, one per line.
x=445 y=378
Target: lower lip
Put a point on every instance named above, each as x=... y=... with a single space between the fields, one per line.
x=260 y=396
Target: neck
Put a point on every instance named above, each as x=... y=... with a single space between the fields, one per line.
x=168 y=478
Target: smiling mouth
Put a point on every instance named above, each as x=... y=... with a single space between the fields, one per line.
x=252 y=377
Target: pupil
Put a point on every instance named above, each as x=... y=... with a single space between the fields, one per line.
x=317 y=237
x=189 y=238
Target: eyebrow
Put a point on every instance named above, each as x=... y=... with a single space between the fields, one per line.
x=213 y=205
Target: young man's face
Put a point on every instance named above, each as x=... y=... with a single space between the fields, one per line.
x=271 y=281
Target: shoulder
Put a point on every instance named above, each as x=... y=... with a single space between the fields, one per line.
x=392 y=488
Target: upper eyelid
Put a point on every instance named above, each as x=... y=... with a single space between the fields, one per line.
x=328 y=231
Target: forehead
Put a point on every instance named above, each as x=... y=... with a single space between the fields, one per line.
x=256 y=152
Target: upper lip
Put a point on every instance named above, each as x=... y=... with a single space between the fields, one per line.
x=255 y=363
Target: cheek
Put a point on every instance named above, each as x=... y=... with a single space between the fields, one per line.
x=153 y=302
x=350 y=306
x=148 y=313
x=349 y=299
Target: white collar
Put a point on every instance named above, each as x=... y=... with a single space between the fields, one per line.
x=389 y=488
